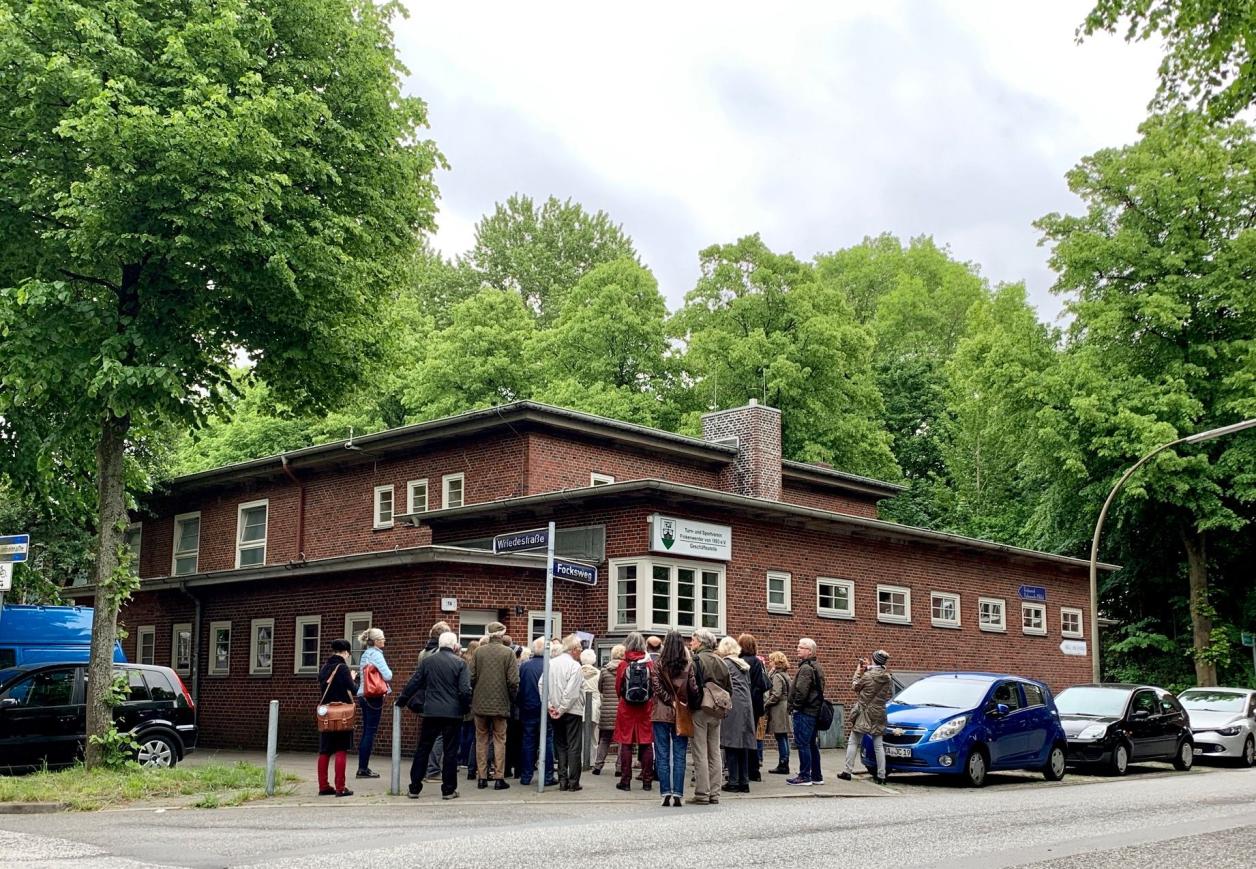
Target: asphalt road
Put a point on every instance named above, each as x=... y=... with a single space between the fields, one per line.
x=1153 y=818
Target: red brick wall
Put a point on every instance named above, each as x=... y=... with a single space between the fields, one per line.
x=556 y=463
x=805 y=495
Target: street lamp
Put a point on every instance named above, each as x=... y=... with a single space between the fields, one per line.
x=1202 y=436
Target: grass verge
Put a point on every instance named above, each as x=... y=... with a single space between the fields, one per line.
x=89 y=790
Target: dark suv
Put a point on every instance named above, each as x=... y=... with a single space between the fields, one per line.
x=43 y=715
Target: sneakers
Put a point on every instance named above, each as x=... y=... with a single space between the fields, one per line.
x=452 y=796
x=367 y=773
x=879 y=781
x=412 y=793
x=844 y=776
x=799 y=781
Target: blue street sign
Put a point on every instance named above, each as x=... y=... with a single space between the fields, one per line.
x=521 y=541
x=1033 y=592
x=15 y=547
x=575 y=571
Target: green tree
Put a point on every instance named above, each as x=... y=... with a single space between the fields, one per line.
x=180 y=183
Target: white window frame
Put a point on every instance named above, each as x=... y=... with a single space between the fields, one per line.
x=138 y=528
x=299 y=632
x=141 y=632
x=892 y=618
x=539 y=615
x=954 y=599
x=241 y=546
x=645 y=594
x=1028 y=607
x=1081 y=625
x=195 y=554
x=379 y=522
x=256 y=669
x=411 y=506
x=830 y=612
x=355 y=650
x=787 y=581
x=444 y=490
x=213 y=669
x=596 y=479
x=990 y=627
x=175 y=630
x=488 y=615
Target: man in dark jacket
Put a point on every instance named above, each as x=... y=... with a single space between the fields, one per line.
x=495 y=682
x=438 y=750
x=440 y=691
x=805 y=698
x=530 y=708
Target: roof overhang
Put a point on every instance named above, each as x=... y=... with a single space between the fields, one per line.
x=830 y=478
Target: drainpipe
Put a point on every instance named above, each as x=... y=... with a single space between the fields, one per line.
x=300 y=507
x=196 y=647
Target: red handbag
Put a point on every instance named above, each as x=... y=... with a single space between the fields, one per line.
x=373 y=684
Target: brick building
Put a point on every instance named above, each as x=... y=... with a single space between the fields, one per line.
x=248 y=571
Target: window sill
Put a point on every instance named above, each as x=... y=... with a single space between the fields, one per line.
x=1072 y=636
x=850 y=617
x=1030 y=633
x=388 y=527
x=954 y=626
x=780 y=611
x=266 y=675
x=893 y=620
x=992 y=630
x=219 y=674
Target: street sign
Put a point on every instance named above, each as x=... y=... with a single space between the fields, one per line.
x=6 y=576
x=15 y=547
x=1033 y=592
x=1249 y=639
x=1074 y=647
x=521 y=541
x=575 y=571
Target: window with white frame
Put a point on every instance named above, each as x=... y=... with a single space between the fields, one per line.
x=181 y=649
x=1071 y=622
x=219 y=648
x=187 y=544
x=146 y=645
x=536 y=624
x=835 y=598
x=596 y=479
x=894 y=604
x=262 y=647
x=383 y=506
x=992 y=614
x=779 y=591
x=416 y=496
x=473 y=625
x=355 y=624
x=251 y=534
x=133 y=541
x=944 y=609
x=308 y=635
x=680 y=594
x=452 y=486
x=1034 y=619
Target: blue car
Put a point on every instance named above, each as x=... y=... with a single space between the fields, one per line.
x=969 y=724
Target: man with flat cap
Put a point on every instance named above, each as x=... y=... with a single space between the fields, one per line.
x=495 y=682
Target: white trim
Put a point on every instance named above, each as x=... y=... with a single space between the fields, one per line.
x=194 y=554
x=787 y=582
x=175 y=630
x=596 y=479
x=893 y=618
x=411 y=506
x=242 y=546
x=378 y=516
x=832 y=612
x=992 y=627
x=1026 y=609
x=151 y=632
x=299 y=624
x=481 y=617
x=955 y=602
x=1081 y=624
x=445 y=502
x=539 y=615
x=355 y=650
x=255 y=668
x=645 y=594
x=212 y=651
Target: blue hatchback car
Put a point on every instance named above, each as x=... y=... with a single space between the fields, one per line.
x=969 y=724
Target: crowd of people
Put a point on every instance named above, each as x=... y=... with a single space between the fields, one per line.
x=661 y=700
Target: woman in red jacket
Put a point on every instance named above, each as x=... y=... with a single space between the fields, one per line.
x=633 y=725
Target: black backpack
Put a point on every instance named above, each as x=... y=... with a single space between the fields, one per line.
x=636 y=687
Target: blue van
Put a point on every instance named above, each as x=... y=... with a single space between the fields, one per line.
x=38 y=634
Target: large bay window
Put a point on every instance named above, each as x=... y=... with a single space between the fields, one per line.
x=657 y=594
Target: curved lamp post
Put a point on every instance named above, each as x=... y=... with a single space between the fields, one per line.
x=1202 y=436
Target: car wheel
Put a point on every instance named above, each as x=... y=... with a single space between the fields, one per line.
x=1120 y=764
x=157 y=751
x=1249 y=753
x=1054 y=770
x=975 y=769
x=1185 y=757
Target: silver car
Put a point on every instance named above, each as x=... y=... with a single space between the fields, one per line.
x=1223 y=721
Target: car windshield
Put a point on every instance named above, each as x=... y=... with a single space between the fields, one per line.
x=944 y=691
x=1212 y=701
x=1096 y=702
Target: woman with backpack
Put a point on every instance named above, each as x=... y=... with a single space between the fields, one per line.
x=632 y=719
x=737 y=732
x=369 y=697
x=674 y=686
x=610 y=705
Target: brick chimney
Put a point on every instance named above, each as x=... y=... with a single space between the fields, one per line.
x=756 y=432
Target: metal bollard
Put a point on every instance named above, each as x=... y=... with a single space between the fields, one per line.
x=272 y=747
x=396 y=752
x=590 y=728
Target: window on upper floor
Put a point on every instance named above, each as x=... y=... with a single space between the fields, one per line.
x=596 y=479
x=251 y=521
x=416 y=496
x=383 y=507
x=187 y=544
x=452 y=486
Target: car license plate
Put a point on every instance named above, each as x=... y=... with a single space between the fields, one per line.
x=895 y=751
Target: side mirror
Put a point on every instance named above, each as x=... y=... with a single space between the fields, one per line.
x=1140 y=715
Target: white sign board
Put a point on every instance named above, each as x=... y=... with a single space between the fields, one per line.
x=1073 y=647
x=6 y=576
x=686 y=537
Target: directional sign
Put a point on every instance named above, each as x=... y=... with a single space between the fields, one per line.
x=1249 y=639
x=575 y=571
x=521 y=541
x=1033 y=592
x=14 y=547
x=6 y=575
x=1074 y=647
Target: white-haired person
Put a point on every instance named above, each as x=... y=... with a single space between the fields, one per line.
x=705 y=744
x=566 y=711
x=372 y=642
x=440 y=691
x=806 y=696
x=588 y=669
x=737 y=730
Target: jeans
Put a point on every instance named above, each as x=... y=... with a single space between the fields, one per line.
x=438 y=754
x=528 y=751
x=782 y=749
x=371 y=710
x=808 y=747
x=429 y=731
x=853 y=746
x=669 y=758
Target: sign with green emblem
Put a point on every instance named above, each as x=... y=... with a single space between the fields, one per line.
x=690 y=538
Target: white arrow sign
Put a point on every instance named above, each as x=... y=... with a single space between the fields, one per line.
x=1073 y=647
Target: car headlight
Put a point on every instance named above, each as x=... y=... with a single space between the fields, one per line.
x=1094 y=731
x=949 y=729
x=1232 y=730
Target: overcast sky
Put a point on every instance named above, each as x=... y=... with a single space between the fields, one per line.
x=813 y=124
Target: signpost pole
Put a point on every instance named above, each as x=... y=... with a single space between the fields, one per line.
x=543 y=773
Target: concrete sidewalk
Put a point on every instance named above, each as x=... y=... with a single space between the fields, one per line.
x=596 y=788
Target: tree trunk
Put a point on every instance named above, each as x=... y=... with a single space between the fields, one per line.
x=1201 y=609
x=110 y=452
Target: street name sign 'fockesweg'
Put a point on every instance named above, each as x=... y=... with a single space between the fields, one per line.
x=15 y=547
x=521 y=541
x=575 y=571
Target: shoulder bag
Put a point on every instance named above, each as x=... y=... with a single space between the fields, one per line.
x=334 y=717
x=680 y=705
x=716 y=702
x=373 y=684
